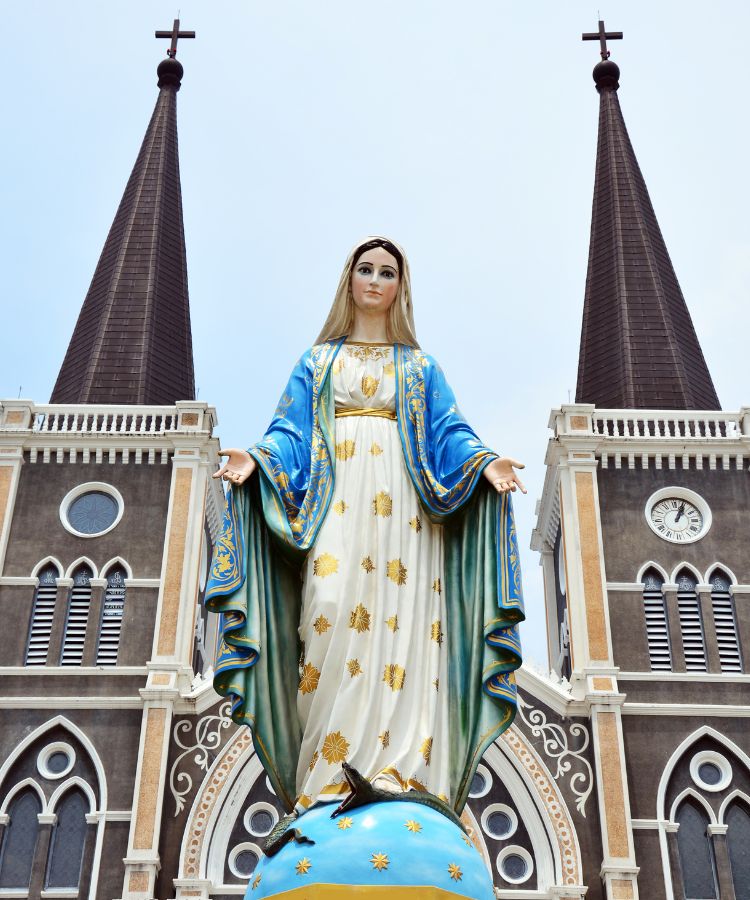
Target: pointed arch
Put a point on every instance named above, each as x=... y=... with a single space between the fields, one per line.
x=81 y=561
x=689 y=567
x=79 y=735
x=701 y=801
x=711 y=570
x=17 y=789
x=703 y=731
x=116 y=561
x=47 y=561
x=736 y=794
x=70 y=783
x=651 y=565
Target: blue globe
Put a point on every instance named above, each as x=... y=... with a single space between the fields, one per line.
x=387 y=845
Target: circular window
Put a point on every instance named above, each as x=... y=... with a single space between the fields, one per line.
x=92 y=509
x=499 y=821
x=480 y=783
x=515 y=864
x=260 y=819
x=710 y=771
x=243 y=859
x=56 y=760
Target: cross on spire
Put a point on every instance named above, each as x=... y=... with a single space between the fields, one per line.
x=602 y=36
x=175 y=34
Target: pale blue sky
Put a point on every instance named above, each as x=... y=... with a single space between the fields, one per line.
x=465 y=131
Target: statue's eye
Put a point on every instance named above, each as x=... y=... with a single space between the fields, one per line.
x=389 y=274
x=364 y=270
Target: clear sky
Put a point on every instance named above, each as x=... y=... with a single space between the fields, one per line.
x=466 y=132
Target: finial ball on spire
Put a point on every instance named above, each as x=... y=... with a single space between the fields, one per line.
x=606 y=74
x=170 y=73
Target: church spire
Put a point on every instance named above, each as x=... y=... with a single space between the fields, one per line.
x=639 y=349
x=132 y=342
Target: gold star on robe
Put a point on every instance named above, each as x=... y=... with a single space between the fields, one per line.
x=392 y=623
x=325 y=565
x=369 y=386
x=335 y=748
x=376 y=449
x=416 y=524
x=303 y=866
x=436 y=632
x=379 y=861
x=394 y=676
x=354 y=667
x=359 y=619
x=385 y=738
x=309 y=680
x=340 y=507
x=455 y=872
x=345 y=450
x=368 y=565
x=426 y=750
x=437 y=587
x=313 y=761
x=396 y=571
x=382 y=505
x=321 y=624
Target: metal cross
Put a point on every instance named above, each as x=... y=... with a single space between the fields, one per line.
x=602 y=36
x=174 y=34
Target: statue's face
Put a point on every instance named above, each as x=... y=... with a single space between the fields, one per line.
x=375 y=281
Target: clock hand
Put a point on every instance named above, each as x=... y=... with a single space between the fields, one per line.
x=680 y=511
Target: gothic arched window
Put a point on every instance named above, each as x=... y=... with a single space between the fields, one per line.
x=19 y=841
x=696 y=853
x=738 y=839
x=68 y=841
x=111 y=621
x=691 y=622
x=77 y=618
x=41 y=617
x=657 y=631
x=725 y=622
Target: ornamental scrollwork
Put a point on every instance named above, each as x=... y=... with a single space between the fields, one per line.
x=556 y=747
x=206 y=738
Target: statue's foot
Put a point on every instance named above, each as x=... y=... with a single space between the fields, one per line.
x=283 y=833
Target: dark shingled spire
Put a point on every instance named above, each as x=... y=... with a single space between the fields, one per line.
x=132 y=342
x=639 y=349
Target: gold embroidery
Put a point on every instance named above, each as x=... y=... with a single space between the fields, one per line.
x=363 y=352
x=303 y=866
x=304 y=800
x=455 y=872
x=389 y=369
x=392 y=623
x=359 y=619
x=321 y=624
x=354 y=667
x=426 y=750
x=313 y=761
x=376 y=449
x=436 y=682
x=437 y=587
x=335 y=748
x=379 y=861
x=340 y=507
x=413 y=826
x=345 y=823
x=325 y=565
x=369 y=386
x=443 y=797
x=416 y=524
x=436 y=632
x=385 y=739
x=396 y=571
x=339 y=364
x=368 y=565
x=394 y=676
x=310 y=678
x=382 y=505
x=345 y=449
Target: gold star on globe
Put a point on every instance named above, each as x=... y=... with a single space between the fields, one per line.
x=303 y=866
x=379 y=861
x=413 y=826
x=257 y=881
x=455 y=872
x=345 y=823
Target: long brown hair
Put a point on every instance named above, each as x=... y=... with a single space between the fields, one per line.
x=400 y=324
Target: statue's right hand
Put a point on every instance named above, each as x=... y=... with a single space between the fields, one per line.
x=238 y=467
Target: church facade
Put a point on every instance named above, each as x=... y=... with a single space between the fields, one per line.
x=626 y=773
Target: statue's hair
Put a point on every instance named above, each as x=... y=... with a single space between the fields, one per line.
x=400 y=324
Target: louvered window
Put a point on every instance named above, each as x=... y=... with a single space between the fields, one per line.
x=41 y=618
x=78 y=617
x=111 y=622
x=726 y=624
x=691 y=623
x=657 y=631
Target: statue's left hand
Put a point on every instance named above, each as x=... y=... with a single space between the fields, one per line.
x=501 y=476
x=238 y=467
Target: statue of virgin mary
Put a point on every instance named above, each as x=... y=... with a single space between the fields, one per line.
x=367 y=575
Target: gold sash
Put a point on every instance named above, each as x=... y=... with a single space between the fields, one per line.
x=367 y=411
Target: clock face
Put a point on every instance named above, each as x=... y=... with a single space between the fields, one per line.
x=678 y=515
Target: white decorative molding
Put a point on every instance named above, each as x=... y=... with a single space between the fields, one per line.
x=686 y=709
x=207 y=737
x=44 y=563
x=736 y=794
x=91 y=487
x=556 y=747
x=119 y=561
